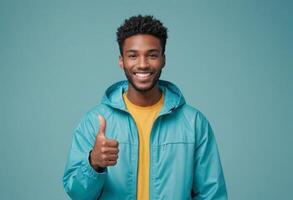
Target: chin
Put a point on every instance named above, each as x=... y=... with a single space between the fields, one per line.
x=143 y=88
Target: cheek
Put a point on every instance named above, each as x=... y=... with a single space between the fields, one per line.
x=129 y=63
x=159 y=65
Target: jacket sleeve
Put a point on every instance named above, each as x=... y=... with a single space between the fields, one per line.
x=209 y=183
x=80 y=180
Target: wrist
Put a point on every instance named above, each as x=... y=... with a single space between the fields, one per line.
x=96 y=167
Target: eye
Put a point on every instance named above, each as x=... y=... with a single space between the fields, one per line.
x=132 y=56
x=153 y=56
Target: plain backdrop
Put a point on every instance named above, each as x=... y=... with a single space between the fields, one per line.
x=232 y=60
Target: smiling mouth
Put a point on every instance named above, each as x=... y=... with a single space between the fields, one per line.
x=142 y=74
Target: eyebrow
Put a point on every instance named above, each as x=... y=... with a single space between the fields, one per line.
x=148 y=51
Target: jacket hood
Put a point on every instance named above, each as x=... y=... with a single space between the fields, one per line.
x=173 y=97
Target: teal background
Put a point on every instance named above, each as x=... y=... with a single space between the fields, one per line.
x=231 y=59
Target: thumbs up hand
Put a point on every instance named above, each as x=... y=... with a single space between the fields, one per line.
x=105 y=151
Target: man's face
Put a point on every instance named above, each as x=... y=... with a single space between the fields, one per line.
x=142 y=61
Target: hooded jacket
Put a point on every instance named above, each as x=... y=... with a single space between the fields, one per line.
x=184 y=160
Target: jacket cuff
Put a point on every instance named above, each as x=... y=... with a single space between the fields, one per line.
x=87 y=169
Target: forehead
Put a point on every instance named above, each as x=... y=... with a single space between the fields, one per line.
x=142 y=42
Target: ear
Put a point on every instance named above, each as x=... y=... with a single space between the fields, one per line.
x=120 y=62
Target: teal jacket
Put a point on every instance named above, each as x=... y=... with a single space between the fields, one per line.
x=184 y=160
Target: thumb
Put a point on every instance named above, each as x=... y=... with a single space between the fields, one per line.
x=102 y=126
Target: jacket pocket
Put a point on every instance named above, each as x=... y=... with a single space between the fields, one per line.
x=172 y=169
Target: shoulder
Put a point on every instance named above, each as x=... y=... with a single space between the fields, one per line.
x=99 y=109
x=90 y=118
x=192 y=113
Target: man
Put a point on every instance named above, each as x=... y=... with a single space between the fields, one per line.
x=143 y=141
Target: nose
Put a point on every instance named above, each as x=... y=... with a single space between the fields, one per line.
x=142 y=62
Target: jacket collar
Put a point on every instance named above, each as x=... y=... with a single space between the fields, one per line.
x=173 y=97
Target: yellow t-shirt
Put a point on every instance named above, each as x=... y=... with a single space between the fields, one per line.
x=144 y=118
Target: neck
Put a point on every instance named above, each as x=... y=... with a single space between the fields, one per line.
x=144 y=99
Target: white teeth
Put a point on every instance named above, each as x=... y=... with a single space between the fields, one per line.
x=143 y=74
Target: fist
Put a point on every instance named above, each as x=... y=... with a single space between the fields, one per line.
x=105 y=151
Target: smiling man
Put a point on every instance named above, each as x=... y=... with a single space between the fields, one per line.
x=143 y=141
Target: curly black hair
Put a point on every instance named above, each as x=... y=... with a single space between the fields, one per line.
x=142 y=25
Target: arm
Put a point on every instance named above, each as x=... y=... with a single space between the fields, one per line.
x=80 y=180
x=209 y=183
